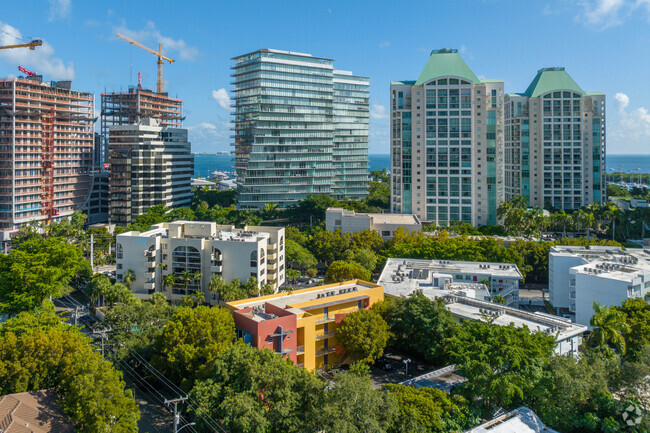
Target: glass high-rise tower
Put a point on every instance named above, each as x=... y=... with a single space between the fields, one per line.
x=301 y=128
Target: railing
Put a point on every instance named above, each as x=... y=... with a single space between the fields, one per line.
x=300 y=349
x=325 y=351
x=572 y=294
x=325 y=320
x=325 y=335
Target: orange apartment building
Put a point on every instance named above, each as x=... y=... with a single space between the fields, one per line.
x=46 y=151
x=301 y=325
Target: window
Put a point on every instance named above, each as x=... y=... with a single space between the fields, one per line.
x=385 y=232
x=254 y=259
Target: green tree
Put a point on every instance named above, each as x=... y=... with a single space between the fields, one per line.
x=501 y=363
x=252 y=286
x=364 y=257
x=129 y=278
x=233 y=291
x=216 y=283
x=169 y=281
x=609 y=328
x=430 y=410
x=189 y=343
x=328 y=246
x=255 y=390
x=420 y=326
x=498 y=299
x=292 y=275
x=363 y=334
x=352 y=406
x=298 y=256
x=40 y=352
x=98 y=288
x=180 y=214
x=119 y=294
x=35 y=271
x=637 y=317
x=340 y=271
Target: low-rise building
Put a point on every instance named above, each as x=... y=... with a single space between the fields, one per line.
x=199 y=249
x=467 y=298
x=348 y=221
x=580 y=276
x=33 y=412
x=436 y=278
x=522 y=420
x=302 y=324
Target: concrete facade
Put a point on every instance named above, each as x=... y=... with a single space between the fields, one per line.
x=447 y=143
x=301 y=324
x=580 y=276
x=385 y=224
x=555 y=143
x=149 y=165
x=203 y=247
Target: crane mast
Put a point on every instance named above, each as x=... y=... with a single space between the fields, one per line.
x=154 y=52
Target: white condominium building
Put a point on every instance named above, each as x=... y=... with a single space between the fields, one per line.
x=467 y=297
x=555 y=143
x=447 y=143
x=348 y=221
x=579 y=276
x=150 y=164
x=436 y=278
x=193 y=251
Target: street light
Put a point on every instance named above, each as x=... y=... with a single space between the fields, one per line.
x=406 y=366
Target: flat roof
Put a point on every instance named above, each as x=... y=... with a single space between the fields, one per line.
x=380 y=218
x=329 y=293
x=607 y=262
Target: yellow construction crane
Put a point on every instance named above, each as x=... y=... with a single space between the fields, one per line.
x=157 y=53
x=34 y=43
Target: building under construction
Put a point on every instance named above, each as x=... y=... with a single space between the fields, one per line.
x=138 y=103
x=46 y=151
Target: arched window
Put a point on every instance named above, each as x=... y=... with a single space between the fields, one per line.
x=281 y=242
x=217 y=258
x=254 y=259
x=119 y=251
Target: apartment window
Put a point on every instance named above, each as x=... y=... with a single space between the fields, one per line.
x=385 y=233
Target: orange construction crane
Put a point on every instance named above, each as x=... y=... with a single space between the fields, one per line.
x=157 y=53
x=34 y=43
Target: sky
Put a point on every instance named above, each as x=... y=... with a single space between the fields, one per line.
x=603 y=44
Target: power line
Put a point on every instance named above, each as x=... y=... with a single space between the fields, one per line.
x=13 y=36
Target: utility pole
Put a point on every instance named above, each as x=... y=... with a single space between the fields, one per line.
x=103 y=334
x=91 y=253
x=406 y=364
x=177 y=416
x=77 y=312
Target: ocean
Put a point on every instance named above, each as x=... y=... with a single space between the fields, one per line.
x=205 y=164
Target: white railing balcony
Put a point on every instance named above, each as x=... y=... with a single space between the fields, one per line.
x=572 y=308
x=272 y=266
x=214 y=269
x=572 y=282
x=272 y=256
x=572 y=294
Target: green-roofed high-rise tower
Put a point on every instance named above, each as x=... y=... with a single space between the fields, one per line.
x=447 y=143
x=555 y=143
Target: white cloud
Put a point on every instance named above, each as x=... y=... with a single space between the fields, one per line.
x=384 y=44
x=378 y=111
x=40 y=60
x=462 y=49
x=151 y=35
x=602 y=14
x=222 y=98
x=631 y=134
x=210 y=137
x=59 y=9
x=623 y=101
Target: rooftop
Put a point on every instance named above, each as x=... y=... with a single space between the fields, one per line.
x=446 y=62
x=204 y=230
x=300 y=301
x=522 y=420
x=549 y=79
x=32 y=412
x=608 y=262
x=381 y=218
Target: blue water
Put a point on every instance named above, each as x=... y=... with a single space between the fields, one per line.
x=205 y=164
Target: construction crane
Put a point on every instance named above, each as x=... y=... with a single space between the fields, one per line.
x=27 y=71
x=33 y=44
x=157 y=53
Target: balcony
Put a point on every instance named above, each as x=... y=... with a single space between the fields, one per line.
x=300 y=349
x=272 y=266
x=272 y=256
x=572 y=294
x=214 y=269
x=572 y=282
x=572 y=308
x=325 y=335
x=325 y=351
x=325 y=320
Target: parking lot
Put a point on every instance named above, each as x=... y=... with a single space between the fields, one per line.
x=391 y=369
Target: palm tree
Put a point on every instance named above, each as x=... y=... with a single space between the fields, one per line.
x=197 y=277
x=612 y=213
x=562 y=219
x=129 y=278
x=216 y=283
x=187 y=277
x=169 y=281
x=609 y=327
x=269 y=210
x=587 y=220
x=499 y=299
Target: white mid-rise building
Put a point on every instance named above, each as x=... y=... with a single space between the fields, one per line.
x=204 y=249
x=436 y=278
x=468 y=298
x=348 y=221
x=580 y=276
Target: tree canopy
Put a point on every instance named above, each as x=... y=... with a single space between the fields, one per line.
x=363 y=334
x=340 y=271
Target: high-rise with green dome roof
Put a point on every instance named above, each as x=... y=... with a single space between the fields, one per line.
x=447 y=143
x=555 y=143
